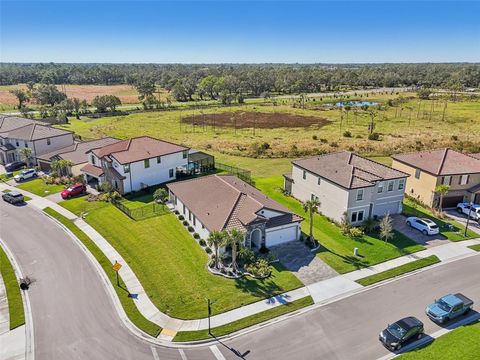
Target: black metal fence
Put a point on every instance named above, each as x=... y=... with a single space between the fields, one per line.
x=243 y=174
x=143 y=212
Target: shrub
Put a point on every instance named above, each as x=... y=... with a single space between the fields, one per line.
x=196 y=236
x=176 y=212
x=185 y=223
x=246 y=255
x=202 y=242
x=181 y=217
x=374 y=136
x=261 y=267
x=454 y=137
x=208 y=250
x=334 y=144
x=324 y=141
x=211 y=264
x=370 y=225
x=191 y=229
x=315 y=137
x=355 y=232
x=347 y=134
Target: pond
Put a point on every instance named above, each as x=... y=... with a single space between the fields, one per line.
x=356 y=103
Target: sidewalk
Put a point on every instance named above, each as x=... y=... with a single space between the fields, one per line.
x=326 y=290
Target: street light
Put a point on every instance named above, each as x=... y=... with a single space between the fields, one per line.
x=468 y=218
x=209 y=304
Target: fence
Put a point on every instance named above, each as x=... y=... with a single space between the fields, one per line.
x=143 y=212
x=243 y=174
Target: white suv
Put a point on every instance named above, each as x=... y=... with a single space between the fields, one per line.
x=426 y=226
x=25 y=175
x=464 y=208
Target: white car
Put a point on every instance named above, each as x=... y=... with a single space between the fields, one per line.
x=426 y=226
x=464 y=208
x=25 y=175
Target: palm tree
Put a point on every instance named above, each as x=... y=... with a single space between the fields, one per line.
x=61 y=166
x=234 y=238
x=311 y=206
x=25 y=155
x=215 y=240
x=442 y=190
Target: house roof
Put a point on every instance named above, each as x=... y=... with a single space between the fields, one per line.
x=26 y=129
x=224 y=201
x=76 y=152
x=441 y=162
x=92 y=170
x=348 y=170
x=137 y=149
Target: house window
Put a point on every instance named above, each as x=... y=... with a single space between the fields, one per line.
x=446 y=180
x=170 y=173
x=194 y=221
x=313 y=197
x=319 y=180
x=401 y=184
x=17 y=143
x=146 y=163
x=464 y=179
x=359 y=194
x=304 y=175
x=183 y=209
x=380 y=187
x=417 y=174
x=26 y=144
x=390 y=185
x=126 y=168
x=360 y=216
x=159 y=159
x=48 y=142
x=357 y=216
x=92 y=159
x=185 y=154
x=189 y=215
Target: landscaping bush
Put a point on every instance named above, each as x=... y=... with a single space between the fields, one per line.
x=211 y=264
x=315 y=137
x=374 y=136
x=246 y=255
x=202 y=242
x=185 y=223
x=324 y=141
x=176 y=212
x=208 y=250
x=347 y=134
x=181 y=217
x=334 y=144
x=196 y=236
x=355 y=232
x=191 y=229
x=261 y=267
x=370 y=225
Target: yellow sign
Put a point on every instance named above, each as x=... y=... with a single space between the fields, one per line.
x=117 y=266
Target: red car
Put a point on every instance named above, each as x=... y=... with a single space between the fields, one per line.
x=73 y=190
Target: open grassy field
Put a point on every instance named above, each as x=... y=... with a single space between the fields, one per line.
x=172 y=266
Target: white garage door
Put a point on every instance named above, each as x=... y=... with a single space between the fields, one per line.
x=383 y=209
x=277 y=236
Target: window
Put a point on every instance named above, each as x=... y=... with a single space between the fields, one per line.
x=380 y=187
x=304 y=175
x=354 y=217
x=189 y=215
x=417 y=174
x=146 y=163
x=390 y=185
x=17 y=143
x=446 y=180
x=360 y=216
x=159 y=159
x=92 y=159
x=183 y=209
x=185 y=154
x=170 y=173
x=26 y=144
x=401 y=184
x=357 y=216
x=464 y=179
x=126 y=168
x=319 y=180
x=194 y=221
x=359 y=194
x=313 y=197
x=48 y=142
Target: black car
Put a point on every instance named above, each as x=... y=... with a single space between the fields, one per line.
x=13 y=197
x=15 y=166
x=396 y=334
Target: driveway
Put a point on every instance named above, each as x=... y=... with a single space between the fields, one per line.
x=462 y=219
x=302 y=262
x=399 y=223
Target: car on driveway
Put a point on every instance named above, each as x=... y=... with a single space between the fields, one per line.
x=400 y=332
x=73 y=190
x=426 y=226
x=449 y=307
x=15 y=166
x=467 y=209
x=25 y=175
x=13 y=197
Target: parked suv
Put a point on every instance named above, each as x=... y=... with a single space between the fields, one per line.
x=467 y=209
x=25 y=175
x=14 y=166
x=73 y=190
x=426 y=226
x=13 y=197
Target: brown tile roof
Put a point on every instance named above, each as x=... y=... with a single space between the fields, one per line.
x=441 y=162
x=348 y=170
x=92 y=170
x=224 y=201
x=137 y=149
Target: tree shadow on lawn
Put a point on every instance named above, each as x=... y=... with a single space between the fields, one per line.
x=356 y=262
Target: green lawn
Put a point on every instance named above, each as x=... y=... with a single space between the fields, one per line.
x=337 y=249
x=475 y=247
x=411 y=208
x=172 y=266
x=38 y=187
x=462 y=344
x=400 y=270
x=245 y=322
x=14 y=297
x=128 y=303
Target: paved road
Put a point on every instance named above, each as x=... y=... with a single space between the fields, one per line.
x=74 y=318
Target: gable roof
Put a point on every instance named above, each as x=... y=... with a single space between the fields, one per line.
x=137 y=149
x=27 y=129
x=224 y=201
x=441 y=162
x=348 y=170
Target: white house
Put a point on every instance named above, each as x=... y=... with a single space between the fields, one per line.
x=222 y=202
x=134 y=164
x=346 y=182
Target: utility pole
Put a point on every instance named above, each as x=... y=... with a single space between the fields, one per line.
x=468 y=218
x=209 y=304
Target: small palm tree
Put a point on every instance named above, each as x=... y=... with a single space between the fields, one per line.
x=160 y=195
x=25 y=155
x=215 y=240
x=61 y=166
x=311 y=206
x=234 y=238
x=442 y=190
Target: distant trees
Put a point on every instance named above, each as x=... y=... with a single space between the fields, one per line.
x=106 y=102
x=146 y=88
x=48 y=94
x=21 y=96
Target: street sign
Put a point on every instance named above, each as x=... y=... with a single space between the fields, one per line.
x=117 y=266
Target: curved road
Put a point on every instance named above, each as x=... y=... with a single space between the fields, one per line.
x=74 y=317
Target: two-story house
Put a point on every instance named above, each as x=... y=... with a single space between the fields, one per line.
x=428 y=169
x=134 y=164
x=344 y=182
x=17 y=133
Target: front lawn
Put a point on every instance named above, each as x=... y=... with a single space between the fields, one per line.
x=475 y=247
x=462 y=343
x=337 y=249
x=172 y=267
x=411 y=208
x=38 y=187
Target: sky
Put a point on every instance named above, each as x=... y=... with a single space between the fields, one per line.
x=240 y=31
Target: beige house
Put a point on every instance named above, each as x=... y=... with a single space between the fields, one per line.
x=347 y=183
x=427 y=169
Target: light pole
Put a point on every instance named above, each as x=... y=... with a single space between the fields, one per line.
x=468 y=218
x=209 y=304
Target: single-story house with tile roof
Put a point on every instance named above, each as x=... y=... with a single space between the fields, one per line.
x=430 y=168
x=17 y=133
x=222 y=202
x=345 y=182
x=135 y=164
x=76 y=153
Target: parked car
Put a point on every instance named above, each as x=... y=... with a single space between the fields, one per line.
x=15 y=166
x=73 y=190
x=400 y=332
x=449 y=307
x=467 y=209
x=426 y=226
x=13 y=197
x=25 y=175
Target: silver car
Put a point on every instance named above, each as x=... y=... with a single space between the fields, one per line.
x=25 y=174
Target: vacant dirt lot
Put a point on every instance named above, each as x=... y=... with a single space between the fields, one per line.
x=251 y=119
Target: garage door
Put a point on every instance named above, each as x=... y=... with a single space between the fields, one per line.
x=276 y=236
x=44 y=166
x=383 y=209
x=452 y=201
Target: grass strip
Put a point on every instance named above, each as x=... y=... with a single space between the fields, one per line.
x=403 y=269
x=12 y=286
x=475 y=247
x=245 y=322
x=128 y=303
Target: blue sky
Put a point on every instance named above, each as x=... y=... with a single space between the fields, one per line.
x=239 y=31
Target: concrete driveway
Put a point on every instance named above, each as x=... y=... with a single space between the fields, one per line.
x=462 y=219
x=400 y=224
